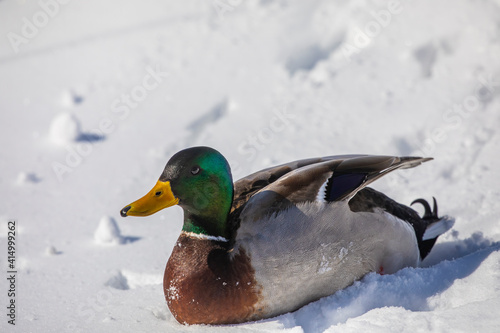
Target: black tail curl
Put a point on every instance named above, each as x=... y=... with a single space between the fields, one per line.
x=429 y=217
x=428 y=214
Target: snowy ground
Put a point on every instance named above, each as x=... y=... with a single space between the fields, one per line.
x=95 y=96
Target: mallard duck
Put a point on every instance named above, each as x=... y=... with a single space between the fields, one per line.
x=282 y=237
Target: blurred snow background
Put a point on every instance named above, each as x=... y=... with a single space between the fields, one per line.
x=96 y=96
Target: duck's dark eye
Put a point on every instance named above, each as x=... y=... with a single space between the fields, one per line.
x=158 y=193
x=195 y=170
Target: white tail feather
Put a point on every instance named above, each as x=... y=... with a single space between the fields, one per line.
x=439 y=227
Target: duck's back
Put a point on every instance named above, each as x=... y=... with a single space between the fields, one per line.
x=311 y=227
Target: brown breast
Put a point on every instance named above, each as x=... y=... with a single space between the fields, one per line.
x=204 y=283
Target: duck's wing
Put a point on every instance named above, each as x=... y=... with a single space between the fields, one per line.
x=337 y=179
x=333 y=178
x=246 y=187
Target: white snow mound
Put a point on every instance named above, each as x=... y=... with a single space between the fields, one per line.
x=65 y=129
x=27 y=178
x=108 y=232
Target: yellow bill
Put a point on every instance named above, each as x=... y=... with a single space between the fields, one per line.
x=158 y=198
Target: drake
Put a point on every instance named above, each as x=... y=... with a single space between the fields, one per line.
x=282 y=237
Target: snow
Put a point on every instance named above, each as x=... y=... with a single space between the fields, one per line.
x=51 y=251
x=65 y=129
x=108 y=232
x=27 y=178
x=97 y=95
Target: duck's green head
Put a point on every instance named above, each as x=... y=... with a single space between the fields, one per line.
x=197 y=179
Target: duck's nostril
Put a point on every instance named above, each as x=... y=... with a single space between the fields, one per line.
x=124 y=211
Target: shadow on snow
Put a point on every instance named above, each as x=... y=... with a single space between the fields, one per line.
x=410 y=288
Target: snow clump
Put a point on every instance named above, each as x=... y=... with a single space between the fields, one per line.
x=65 y=129
x=108 y=232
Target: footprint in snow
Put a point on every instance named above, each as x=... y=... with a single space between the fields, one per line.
x=125 y=280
